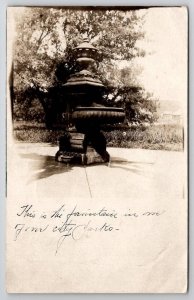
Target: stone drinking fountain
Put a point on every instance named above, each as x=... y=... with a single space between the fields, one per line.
x=83 y=142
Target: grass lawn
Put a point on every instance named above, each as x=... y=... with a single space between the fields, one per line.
x=154 y=137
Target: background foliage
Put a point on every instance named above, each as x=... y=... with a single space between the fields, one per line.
x=43 y=60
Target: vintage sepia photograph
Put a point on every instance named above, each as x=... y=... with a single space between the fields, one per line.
x=97 y=149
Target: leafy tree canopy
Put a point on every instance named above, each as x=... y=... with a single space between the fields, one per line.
x=46 y=36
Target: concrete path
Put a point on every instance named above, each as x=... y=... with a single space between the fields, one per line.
x=132 y=173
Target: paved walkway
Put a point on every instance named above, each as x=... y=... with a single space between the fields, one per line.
x=132 y=173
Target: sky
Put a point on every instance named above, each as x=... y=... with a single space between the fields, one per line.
x=165 y=69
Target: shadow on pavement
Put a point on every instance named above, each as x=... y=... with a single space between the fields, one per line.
x=122 y=160
x=130 y=166
x=45 y=165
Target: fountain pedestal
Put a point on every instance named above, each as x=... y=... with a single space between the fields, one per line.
x=85 y=143
x=82 y=148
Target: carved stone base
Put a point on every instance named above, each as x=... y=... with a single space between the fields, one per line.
x=90 y=157
x=84 y=149
x=70 y=157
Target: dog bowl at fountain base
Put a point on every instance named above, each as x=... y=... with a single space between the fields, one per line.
x=91 y=156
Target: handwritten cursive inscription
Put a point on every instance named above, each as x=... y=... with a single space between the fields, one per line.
x=75 y=223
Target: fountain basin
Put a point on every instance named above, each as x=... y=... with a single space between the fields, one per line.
x=98 y=114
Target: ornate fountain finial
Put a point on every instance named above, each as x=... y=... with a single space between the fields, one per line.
x=86 y=39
